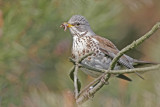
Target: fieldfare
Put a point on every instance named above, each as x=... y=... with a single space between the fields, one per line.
x=86 y=41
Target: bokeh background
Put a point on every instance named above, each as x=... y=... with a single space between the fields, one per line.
x=34 y=51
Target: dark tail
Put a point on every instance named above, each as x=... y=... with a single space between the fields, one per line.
x=121 y=76
x=138 y=63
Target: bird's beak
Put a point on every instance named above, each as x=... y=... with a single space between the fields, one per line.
x=66 y=25
x=69 y=25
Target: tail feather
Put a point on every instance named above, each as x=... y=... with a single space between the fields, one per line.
x=124 y=77
x=137 y=62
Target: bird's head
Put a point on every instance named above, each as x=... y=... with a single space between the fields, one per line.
x=78 y=26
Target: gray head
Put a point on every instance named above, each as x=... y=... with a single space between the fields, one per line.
x=80 y=26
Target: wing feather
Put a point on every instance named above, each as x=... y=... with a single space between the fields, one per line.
x=108 y=48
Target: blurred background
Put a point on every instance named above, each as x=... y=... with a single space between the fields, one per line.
x=34 y=51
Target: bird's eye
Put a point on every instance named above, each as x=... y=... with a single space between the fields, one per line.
x=78 y=24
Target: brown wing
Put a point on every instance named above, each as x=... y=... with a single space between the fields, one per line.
x=106 y=44
x=108 y=48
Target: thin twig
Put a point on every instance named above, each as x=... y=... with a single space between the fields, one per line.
x=75 y=68
x=75 y=80
x=79 y=60
x=89 y=85
x=89 y=93
x=144 y=69
x=141 y=70
x=85 y=56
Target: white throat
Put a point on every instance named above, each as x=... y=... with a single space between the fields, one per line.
x=75 y=32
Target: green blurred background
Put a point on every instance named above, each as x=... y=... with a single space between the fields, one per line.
x=34 y=51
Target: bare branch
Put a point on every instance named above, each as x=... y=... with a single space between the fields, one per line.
x=144 y=69
x=141 y=70
x=76 y=80
x=85 y=56
x=75 y=77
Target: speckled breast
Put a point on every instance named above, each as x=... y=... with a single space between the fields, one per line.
x=84 y=45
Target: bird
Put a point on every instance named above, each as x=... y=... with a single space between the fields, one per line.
x=86 y=41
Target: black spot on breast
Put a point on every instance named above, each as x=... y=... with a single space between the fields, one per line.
x=73 y=56
x=87 y=51
x=83 y=51
x=88 y=46
x=97 y=51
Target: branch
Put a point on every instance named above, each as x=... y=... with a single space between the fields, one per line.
x=82 y=58
x=144 y=69
x=141 y=70
x=85 y=56
x=74 y=72
x=76 y=80
x=105 y=77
